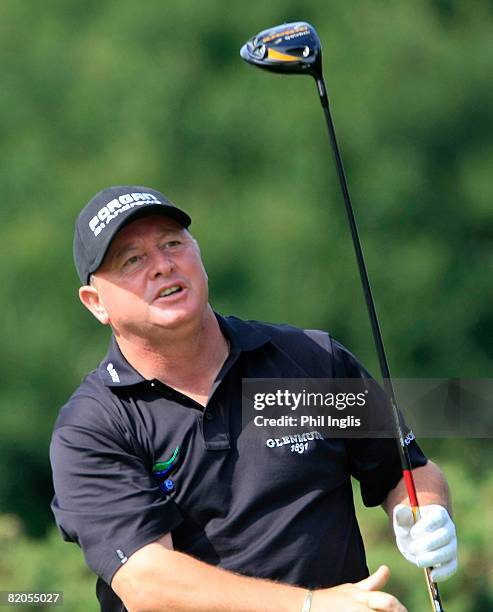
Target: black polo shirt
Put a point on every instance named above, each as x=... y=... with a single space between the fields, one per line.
x=226 y=496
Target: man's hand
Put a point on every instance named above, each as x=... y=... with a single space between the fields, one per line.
x=358 y=597
x=431 y=542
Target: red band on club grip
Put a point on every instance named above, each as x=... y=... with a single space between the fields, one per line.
x=411 y=489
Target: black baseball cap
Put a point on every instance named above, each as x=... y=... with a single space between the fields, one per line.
x=106 y=213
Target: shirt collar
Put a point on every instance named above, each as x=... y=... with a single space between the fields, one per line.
x=115 y=371
x=243 y=335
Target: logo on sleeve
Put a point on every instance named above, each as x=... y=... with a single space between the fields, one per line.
x=409 y=438
x=121 y=555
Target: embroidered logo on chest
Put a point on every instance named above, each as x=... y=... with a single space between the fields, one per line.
x=298 y=443
x=162 y=471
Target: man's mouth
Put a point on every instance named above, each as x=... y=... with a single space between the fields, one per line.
x=170 y=291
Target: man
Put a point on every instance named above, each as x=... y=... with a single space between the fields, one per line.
x=176 y=504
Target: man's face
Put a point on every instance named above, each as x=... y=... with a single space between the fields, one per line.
x=152 y=277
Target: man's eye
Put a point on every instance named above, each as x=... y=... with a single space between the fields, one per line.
x=171 y=243
x=131 y=260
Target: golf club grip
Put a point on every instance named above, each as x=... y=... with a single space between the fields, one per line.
x=377 y=335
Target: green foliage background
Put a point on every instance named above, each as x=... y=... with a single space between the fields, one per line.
x=116 y=92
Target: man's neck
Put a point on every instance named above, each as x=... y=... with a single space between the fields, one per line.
x=188 y=360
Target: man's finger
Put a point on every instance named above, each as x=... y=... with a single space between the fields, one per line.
x=403 y=516
x=433 y=541
x=442 y=572
x=375 y=581
x=384 y=601
x=437 y=557
x=432 y=518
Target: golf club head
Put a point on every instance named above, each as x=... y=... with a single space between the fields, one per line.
x=290 y=48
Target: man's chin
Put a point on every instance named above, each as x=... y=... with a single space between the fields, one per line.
x=175 y=318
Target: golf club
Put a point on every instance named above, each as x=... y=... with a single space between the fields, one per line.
x=294 y=48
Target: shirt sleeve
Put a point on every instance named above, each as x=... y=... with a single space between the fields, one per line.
x=374 y=462
x=105 y=498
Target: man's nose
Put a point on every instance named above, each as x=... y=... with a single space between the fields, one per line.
x=162 y=263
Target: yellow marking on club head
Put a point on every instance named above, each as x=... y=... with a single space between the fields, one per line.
x=276 y=55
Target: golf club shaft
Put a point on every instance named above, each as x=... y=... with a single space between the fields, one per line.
x=377 y=335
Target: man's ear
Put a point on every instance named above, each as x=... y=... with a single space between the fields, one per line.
x=91 y=299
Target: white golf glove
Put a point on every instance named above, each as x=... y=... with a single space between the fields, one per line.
x=431 y=542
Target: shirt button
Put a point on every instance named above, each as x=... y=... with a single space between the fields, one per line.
x=208 y=416
x=153 y=384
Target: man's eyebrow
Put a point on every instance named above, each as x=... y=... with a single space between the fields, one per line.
x=167 y=232
x=124 y=250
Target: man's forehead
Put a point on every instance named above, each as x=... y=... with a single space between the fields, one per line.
x=139 y=229
x=150 y=225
